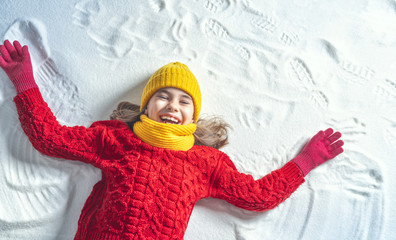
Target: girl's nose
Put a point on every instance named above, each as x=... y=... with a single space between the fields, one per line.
x=172 y=106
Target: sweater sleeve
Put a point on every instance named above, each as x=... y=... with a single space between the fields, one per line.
x=51 y=138
x=259 y=195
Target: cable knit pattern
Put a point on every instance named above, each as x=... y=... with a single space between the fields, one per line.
x=146 y=192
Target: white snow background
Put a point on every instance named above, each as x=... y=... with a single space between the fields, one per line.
x=278 y=71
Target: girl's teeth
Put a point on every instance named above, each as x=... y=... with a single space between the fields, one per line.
x=170 y=120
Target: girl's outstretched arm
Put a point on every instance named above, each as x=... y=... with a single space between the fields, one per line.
x=38 y=121
x=268 y=192
x=263 y=194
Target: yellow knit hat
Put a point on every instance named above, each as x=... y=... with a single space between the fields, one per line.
x=175 y=75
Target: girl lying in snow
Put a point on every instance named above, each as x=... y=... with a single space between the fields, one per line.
x=157 y=160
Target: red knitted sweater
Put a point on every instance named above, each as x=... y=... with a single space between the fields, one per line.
x=146 y=192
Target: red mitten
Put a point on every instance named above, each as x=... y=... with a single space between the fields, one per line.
x=321 y=148
x=15 y=61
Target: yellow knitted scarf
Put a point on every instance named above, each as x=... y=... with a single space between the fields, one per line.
x=164 y=135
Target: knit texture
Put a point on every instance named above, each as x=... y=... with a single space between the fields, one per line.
x=24 y=81
x=322 y=147
x=175 y=75
x=15 y=61
x=146 y=192
x=170 y=136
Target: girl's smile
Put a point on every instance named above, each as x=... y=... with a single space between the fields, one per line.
x=171 y=105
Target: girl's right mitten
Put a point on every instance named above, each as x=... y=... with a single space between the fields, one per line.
x=15 y=61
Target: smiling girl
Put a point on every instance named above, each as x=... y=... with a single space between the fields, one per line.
x=157 y=159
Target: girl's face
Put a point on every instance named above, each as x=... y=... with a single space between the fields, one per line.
x=171 y=105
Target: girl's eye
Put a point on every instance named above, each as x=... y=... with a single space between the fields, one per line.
x=184 y=102
x=163 y=97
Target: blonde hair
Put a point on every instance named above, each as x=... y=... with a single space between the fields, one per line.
x=211 y=131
